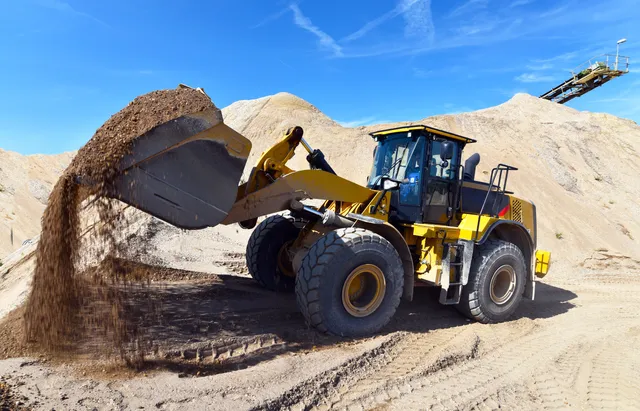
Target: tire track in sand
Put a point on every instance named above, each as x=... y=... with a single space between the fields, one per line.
x=613 y=382
x=354 y=386
x=397 y=357
x=418 y=353
x=471 y=383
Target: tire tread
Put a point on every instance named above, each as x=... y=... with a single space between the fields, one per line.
x=260 y=234
x=312 y=269
x=484 y=256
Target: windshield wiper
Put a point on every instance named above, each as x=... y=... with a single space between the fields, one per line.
x=398 y=161
x=376 y=179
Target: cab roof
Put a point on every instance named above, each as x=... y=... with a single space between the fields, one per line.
x=384 y=133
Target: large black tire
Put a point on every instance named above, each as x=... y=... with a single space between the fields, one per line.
x=501 y=260
x=329 y=263
x=263 y=252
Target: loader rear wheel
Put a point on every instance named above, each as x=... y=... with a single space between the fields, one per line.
x=267 y=255
x=496 y=282
x=350 y=283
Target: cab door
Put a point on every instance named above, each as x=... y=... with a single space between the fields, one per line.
x=410 y=194
x=442 y=181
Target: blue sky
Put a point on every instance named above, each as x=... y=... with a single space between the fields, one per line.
x=68 y=65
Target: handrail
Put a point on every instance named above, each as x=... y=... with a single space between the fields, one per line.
x=589 y=63
x=455 y=205
x=501 y=187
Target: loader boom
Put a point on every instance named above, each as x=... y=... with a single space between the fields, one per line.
x=272 y=185
x=186 y=173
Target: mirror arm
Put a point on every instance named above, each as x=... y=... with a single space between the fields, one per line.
x=377 y=204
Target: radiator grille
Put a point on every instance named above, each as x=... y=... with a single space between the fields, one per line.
x=516 y=210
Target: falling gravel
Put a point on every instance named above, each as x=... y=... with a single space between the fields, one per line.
x=68 y=304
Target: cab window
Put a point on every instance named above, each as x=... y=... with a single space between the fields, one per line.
x=410 y=188
x=393 y=156
x=445 y=169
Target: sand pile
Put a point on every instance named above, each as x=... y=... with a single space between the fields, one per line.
x=25 y=185
x=581 y=169
x=56 y=314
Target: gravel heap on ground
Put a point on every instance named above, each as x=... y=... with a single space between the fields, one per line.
x=54 y=316
x=9 y=401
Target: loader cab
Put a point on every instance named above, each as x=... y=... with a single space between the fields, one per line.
x=427 y=164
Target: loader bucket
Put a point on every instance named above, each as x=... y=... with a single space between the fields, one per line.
x=185 y=171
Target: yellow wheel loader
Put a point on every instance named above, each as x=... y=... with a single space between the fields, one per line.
x=421 y=220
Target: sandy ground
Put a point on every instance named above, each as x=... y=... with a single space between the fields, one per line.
x=228 y=344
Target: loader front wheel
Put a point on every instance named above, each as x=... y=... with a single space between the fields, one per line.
x=268 y=257
x=350 y=283
x=496 y=282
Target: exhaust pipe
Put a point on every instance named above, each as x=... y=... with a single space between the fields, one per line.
x=470 y=167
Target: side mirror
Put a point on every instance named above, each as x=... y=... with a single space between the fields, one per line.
x=446 y=150
x=389 y=184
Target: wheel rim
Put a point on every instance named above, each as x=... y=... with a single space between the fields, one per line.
x=363 y=290
x=503 y=284
x=284 y=260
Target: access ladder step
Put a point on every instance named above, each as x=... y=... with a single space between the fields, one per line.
x=451 y=296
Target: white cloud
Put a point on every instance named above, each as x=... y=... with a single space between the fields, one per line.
x=540 y=67
x=418 y=20
x=509 y=92
x=372 y=24
x=614 y=100
x=479 y=26
x=365 y=121
x=553 y=12
x=474 y=25
x=63 y=7
x=625 y=104
x=418 y=28
x=129 y=72
x=417 y=16
x=469 y=6
x=271 y=17
x=324 y=39
x=534 y=78
x=420 y=73
x=518 y=3
x=561 y=57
